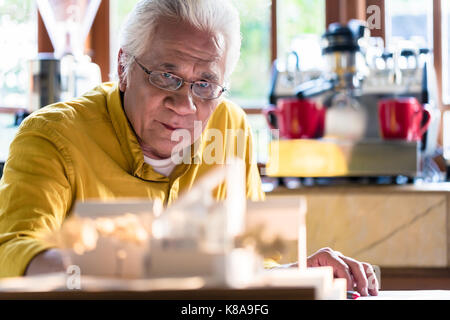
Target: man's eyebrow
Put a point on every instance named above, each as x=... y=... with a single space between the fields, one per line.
x=210 y=77
x=205 y=75
x=169 y=66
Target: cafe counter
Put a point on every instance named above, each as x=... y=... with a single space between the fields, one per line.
x=403 y=229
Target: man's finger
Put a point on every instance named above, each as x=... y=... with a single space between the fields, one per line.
x=372 y=279
x=358 y=272
x=340 y=268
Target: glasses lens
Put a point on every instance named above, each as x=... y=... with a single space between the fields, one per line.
x=206 y=90
x=165 y=80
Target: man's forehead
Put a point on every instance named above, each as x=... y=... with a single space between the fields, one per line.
x=186 y=40
x=204 y=51
x=196 y=57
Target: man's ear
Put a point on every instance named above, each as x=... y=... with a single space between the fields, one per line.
x=121 y=71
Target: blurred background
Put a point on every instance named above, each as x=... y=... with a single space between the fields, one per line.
x=271 y=31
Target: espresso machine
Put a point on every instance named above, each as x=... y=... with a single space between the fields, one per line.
x=358 y=72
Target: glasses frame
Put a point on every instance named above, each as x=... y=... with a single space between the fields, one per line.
x=181 y=82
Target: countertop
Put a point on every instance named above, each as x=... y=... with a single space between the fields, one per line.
x=442 y=187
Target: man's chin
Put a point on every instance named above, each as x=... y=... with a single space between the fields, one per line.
x=167 y=149
x=163 y=154
x=167 y=153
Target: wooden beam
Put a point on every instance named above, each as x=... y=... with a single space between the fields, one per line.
x=254 y=110
x=99 y=40
x=355 y=9
x=437 y=53
x=344 y=10
x=437 y=45
x=382 y=31
x=273 y=32
x=332 y=13
x=44 y=42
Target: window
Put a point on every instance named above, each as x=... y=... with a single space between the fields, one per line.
x=250 y=80
x=409 y=20
x=298 y=21
x=417 y=15
x=119 y=9
x=18 y=34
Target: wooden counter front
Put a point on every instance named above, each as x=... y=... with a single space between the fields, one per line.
x=390 y=226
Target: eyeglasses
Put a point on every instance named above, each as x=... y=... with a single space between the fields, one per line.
x=167 y=81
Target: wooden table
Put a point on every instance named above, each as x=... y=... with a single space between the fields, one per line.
x=216 y=294
x=199 y=294
x=55 y=287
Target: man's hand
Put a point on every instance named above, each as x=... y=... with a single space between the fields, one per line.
x=359 y=275
x=46 y=262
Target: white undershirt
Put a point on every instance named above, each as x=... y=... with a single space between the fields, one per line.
x=164 y=166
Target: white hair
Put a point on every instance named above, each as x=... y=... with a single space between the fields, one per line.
x=215 y=16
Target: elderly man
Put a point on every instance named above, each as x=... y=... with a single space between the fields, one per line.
x=118 y=140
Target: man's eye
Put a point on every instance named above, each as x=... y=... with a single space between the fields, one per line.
x=167 y=75
x=203 y=84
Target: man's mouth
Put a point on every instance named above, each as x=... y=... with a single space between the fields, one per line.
x=170 y=127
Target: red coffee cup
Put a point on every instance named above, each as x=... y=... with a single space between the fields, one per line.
x=403 y=118
x=297 y=118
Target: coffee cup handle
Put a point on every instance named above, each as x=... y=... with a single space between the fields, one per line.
x=425 y=126
x=271 y=117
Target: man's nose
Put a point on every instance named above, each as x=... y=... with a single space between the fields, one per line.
x=181 y=101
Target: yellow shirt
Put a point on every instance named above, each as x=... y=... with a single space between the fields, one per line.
x=86 y=149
